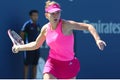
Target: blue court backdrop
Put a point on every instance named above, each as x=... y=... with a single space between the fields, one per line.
x=104 y=15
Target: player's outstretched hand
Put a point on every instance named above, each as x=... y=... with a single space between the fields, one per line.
x=101 y=44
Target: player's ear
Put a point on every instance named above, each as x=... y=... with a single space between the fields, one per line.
x=46 y=15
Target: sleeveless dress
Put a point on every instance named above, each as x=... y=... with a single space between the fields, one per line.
x=61 y=62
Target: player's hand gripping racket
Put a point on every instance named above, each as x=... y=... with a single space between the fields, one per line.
x=15 y=38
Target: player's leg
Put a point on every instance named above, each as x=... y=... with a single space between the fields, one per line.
x=49 y=69
x=26 y=71
x=26 y=65
x=34 y=71
x=47 y=76
x=35 y=57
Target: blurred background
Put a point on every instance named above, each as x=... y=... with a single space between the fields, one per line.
x=103 y=14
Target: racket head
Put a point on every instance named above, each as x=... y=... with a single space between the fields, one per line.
x=15 y=38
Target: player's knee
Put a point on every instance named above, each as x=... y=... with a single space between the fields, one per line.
x=48 y=76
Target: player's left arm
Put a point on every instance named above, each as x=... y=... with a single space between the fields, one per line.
x=83 y=26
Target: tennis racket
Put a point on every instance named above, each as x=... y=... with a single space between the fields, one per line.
x=15 y=38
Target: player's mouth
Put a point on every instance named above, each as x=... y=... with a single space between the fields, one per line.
x=55 y=20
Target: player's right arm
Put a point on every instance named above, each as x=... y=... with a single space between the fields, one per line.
x=32 y=45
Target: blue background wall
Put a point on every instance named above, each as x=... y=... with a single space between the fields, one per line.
x=94 y=63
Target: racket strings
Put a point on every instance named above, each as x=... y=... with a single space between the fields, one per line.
x=17 y=37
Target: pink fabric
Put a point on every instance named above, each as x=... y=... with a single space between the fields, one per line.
x=53 y=8
x=61 y=46
x=62 y=69
x=61 y=62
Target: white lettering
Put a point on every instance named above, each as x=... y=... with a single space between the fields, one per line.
x=104 y=28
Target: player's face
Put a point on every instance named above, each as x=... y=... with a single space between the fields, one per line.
x=54 y=17
x=34 y=17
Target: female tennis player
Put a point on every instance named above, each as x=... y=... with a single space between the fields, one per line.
x=58 y=33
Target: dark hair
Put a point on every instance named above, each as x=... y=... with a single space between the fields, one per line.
x=33 y=11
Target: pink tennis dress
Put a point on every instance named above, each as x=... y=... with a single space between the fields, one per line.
x=61 y=62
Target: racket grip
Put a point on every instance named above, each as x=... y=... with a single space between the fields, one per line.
x=13 y=49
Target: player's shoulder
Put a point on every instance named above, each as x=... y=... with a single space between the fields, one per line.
x=44 y=28
x=68 y=21
x=27 y=23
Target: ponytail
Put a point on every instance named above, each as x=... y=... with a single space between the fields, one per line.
x=48 y=3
